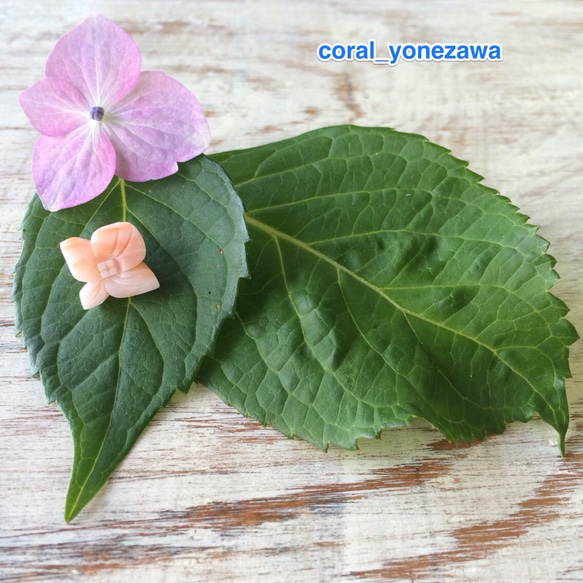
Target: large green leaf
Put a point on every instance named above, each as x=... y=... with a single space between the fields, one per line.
x=112 y=367
x=386 y=283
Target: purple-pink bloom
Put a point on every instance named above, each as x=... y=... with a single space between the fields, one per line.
x=100 y=116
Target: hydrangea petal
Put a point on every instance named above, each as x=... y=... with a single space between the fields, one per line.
x=80 y=259
x=99 y=58
x=54 y=107
x=157 y=125
x=138 y=280
x=92 y=294
x=121 y=241
x=72 y=169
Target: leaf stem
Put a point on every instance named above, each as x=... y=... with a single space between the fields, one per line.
x=124 y=206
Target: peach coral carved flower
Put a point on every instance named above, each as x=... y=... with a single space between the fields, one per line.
x=111 y=263
x=99 y=115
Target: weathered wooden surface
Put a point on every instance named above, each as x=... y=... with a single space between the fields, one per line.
x=207 y=495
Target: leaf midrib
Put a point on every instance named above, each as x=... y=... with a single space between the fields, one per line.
x=73 y=508
x=275 y=233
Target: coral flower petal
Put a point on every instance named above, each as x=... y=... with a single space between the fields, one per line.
x=158 y=124
x=72 y=169
x=121 y=241
x=138 y=280
x=92 y=294
x=97 y=57
x=80 y=259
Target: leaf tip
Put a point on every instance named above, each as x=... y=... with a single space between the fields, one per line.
x=562 y=447
x=71 y=512
x=77 y=498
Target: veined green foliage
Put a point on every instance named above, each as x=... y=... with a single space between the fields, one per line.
x=112 y=367
x=386 y=283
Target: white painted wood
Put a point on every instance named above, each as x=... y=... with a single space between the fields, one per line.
x=206 y=495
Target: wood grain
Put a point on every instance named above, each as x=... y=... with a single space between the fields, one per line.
x=206 y=495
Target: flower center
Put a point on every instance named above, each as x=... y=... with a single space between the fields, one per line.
x=96 y=113
x=108 y=268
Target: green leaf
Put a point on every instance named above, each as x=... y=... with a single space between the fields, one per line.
x=112 y=367
x=386 y=283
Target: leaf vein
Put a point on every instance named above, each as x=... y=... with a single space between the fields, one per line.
x=276 y=234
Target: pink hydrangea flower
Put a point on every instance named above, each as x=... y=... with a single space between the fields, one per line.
x=100 y=116
x=111 y=263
